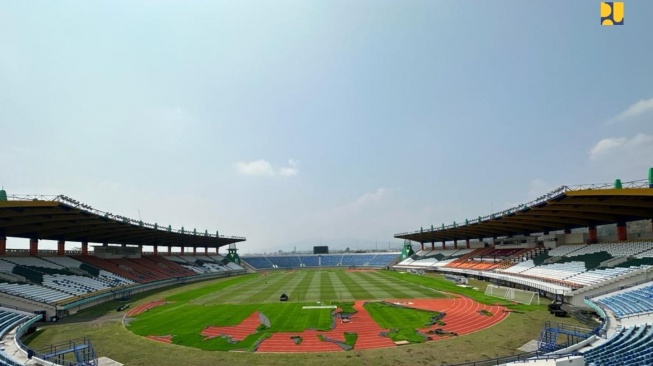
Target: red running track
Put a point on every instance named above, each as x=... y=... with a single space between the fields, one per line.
x=145 y=307
x=237 y=332
x=463 y=317
x=164 y=339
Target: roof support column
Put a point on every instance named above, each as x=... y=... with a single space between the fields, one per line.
x=140 y=249
x=206 y=250
x=467 y=243
x=443 y=245
x=422 y=244
x=169 y=249
x=33 y=247
x=84 y=248
x=622 y=233
x=455 y=243
x=194 y=250
x=182 y=250
x=155 y=249
x=61 y=247
x=432 y=245
x=3 y=245
x=592 y=235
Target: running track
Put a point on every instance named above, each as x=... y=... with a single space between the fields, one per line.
x=462 y=317
x=145 y=307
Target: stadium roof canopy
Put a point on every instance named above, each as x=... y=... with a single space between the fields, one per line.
x=62 y=218
x=562 y=209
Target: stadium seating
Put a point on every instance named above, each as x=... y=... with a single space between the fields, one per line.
x=108 y=278
x=309 y=260
x=10 y=319
x=356 y=260
x=382 y=259
x=258 y=262
x=75 y=285
x=632 y=301
x=629 y=346
x=285 y=261
x=34 y=292
x=323 y=260
x=330 y=260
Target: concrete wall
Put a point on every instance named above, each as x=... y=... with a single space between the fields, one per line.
x=566 y=361
x=20 y=303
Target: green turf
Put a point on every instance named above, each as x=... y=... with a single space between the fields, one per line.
x=304 y=286
x=350 y=338
x=229 y=302
x=406 y=334
x=389 y=316
x=185 y=322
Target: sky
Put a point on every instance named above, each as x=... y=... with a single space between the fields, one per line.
x=327 y=122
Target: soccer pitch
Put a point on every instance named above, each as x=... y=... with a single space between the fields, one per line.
x=322 y=286
x=228 y=303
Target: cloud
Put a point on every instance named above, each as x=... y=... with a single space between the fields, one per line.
x=622 y=156
x=291 y=169
x=366 y=204
x=371 y=197
x=264 y=168
x=605 y=146
x=622 y=146
x=640 y=108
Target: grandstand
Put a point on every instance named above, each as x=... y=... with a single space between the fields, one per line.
x=362 y=260
x=63 y=282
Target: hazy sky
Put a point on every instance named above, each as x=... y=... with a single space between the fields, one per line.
x=295 y=123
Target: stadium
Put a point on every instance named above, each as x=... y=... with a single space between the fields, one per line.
x=474 y=292
x=329 y=182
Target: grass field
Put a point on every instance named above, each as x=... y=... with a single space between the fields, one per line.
x=112 y=339
x=230 y=302
x=305 y=286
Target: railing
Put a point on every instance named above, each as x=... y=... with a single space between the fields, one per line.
x=602 y=328
x=552 y=357
x=21 y=330
x=86 y=208
x=558 y=192
x=500 y=360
